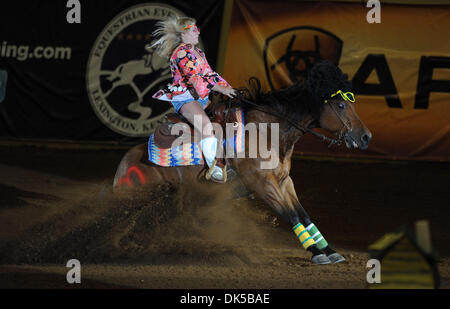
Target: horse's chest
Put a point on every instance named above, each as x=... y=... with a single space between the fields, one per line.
x=282 y=171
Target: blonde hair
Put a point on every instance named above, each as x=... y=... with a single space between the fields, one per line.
x=169 y=32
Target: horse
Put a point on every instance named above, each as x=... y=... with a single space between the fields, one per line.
x=319 y=101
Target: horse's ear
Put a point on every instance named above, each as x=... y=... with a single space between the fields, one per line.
x=254 y=84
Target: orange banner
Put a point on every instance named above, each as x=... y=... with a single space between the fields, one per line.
x=400 y=67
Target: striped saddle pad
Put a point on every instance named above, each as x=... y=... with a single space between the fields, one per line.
x=190 y=153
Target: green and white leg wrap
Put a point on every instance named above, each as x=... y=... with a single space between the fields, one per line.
x=317 y=236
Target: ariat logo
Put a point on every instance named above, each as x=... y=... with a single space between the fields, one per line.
x=122 y=75
x=290 y=53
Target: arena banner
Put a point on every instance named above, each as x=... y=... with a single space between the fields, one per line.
x=400 y=67
x=92 y=80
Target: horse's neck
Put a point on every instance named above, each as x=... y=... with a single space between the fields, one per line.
x=289 y=135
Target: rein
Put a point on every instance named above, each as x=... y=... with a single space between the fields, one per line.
x=302 y=128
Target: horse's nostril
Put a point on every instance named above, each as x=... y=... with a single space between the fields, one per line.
x=366 y=138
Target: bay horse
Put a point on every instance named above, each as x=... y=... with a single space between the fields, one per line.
x=319 y=101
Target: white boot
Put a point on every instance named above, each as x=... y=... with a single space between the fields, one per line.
x=209 y=149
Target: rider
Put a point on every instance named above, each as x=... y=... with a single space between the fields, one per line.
x=193 y=80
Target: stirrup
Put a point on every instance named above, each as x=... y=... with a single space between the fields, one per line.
x=210 y=170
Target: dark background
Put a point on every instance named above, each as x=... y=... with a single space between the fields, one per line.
x=47 y=99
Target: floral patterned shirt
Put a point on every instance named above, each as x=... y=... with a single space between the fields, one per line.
x=189 y=67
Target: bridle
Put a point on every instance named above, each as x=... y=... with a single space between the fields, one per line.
x=346 y=124
x=342 y=134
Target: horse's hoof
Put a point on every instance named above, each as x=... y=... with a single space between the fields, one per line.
x=321 y=259
x=336 y=258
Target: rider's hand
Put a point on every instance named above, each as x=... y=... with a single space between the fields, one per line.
x=228 y=91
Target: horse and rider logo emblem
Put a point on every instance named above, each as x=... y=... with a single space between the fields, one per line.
x=122 y=75
x=289 y=54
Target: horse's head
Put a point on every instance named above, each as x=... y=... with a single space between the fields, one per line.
x=331 y=88
x=340 y=118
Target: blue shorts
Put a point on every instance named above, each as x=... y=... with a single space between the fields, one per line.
x=177 y=104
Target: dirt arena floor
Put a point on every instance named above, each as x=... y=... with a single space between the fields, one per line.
x=57 y=205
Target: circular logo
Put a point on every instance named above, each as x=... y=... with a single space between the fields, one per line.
x=122 y=75
x=293 y=52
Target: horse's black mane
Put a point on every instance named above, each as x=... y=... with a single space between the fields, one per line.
x=301 y=98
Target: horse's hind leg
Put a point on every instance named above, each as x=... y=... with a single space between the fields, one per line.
x=319 y=239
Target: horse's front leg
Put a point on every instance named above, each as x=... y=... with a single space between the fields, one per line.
x=319 y=239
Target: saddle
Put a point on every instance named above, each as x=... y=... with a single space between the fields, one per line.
x=216 y=112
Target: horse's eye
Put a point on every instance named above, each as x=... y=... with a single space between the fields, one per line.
x=341 y=105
